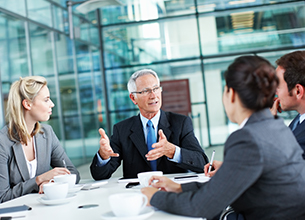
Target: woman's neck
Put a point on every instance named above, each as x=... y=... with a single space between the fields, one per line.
x=242 y=114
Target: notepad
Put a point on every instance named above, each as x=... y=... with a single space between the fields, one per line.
x=94 y=185
x=128 y=180
x=15 y=211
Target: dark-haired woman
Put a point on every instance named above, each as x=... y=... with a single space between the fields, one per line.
x=262 y=175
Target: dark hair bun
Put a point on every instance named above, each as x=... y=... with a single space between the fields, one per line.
x=254 y=80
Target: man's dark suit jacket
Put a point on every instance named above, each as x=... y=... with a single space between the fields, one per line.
x=262 y=176
x=128 y=140
x=299 y=133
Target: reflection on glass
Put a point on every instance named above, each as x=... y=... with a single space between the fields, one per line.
x=86 y=92
x=91 y=134
x=146 y=10
x=16 y=6
x=68 y=95
x=40 y=11
x=146 y=43
x=83 y=57
x=81 y=28
x=64 y=55
x=199 y=121
x=13 y=49
x=42 y=58
x=94 y=35
x=73 y=140
x=216 y=5
x=58 y=21
x=255 y=28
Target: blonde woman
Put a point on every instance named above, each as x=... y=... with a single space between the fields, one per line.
x=28 y=149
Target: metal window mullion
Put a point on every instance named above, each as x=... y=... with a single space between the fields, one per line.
x=57 y=88
x=78 y=98
x=203 y=77
x=102 y=68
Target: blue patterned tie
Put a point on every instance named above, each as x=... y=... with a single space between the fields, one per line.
x=151 y=139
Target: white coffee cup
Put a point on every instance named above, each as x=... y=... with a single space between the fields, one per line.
x=145 y=176
x=127 y=204
x=68 y=178
x=55 y=190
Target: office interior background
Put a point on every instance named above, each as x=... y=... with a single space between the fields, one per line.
x=87 y=59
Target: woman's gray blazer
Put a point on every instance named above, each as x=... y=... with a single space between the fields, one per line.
x=15 y=180
x=262 y=176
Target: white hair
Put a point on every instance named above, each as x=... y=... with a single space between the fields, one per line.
x=131 y=85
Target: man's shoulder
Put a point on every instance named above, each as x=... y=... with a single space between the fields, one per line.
x=172 y=116
x=127 y=122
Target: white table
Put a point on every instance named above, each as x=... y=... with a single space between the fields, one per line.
x=83 y=197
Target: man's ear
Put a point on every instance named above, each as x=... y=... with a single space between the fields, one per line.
x=132 y=97
x=26 y=104
x=299 y=91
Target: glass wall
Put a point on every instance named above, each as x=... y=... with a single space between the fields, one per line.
x=36 y=42
x=186 y=39
x=169 y=37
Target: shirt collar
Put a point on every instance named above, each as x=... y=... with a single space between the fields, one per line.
x=154 y=120
x=243 y=123
x=302 y=118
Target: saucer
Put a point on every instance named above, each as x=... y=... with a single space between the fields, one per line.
x=145 y=213
x=44 y=200
x=75 y=189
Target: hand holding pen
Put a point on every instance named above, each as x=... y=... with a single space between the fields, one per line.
x=64 y=163
x=213 y=164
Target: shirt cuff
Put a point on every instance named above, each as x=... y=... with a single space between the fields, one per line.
x=177 y=155
x=100 y=161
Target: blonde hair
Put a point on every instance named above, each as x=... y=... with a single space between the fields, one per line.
x=25 y=88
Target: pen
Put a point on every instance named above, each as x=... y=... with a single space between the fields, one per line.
x=185 y=177
x=211 y=163
x=64 y=162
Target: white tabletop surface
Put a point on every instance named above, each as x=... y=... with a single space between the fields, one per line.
x=71 y=211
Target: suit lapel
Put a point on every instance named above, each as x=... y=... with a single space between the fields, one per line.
x=20 y=161
x=299 y=129
x=138 y=139
x=164 y=125
x=40 y=142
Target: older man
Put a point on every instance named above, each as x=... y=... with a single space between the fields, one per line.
x=291 y=91
x=152 y=140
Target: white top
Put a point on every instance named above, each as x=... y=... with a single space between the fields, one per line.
x=32 y=165
x=243 y=123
